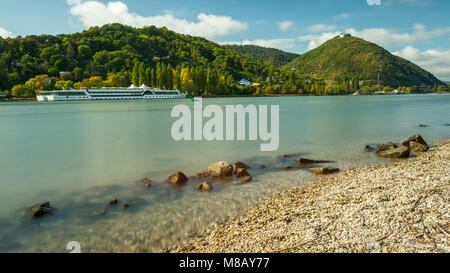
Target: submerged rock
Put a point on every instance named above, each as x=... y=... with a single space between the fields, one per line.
x=220 y=169
x=147 y=182
x=305 y=161
x=114 y=201
x=246 y=179
x=324 y=170
x=40 y=210
x=288 y=168
x=205 y=186
x=386 y=146
x=416 y=138
x=177 y=178
x=369 y=149
x=400 y=152
x=417 y=147
x=95 y=213
x=241 y=172
x=422 y=125
x=124 y=206
x=239 y=165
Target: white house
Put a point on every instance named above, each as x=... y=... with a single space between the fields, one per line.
x=245 y=82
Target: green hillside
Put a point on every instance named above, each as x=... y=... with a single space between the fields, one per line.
x=268 y=56
x=351 y=57
x=117 y=55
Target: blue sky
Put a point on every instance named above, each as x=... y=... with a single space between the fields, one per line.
x=418 y=30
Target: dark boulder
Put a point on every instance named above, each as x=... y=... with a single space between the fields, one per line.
x=246 y=179
x=305 y=161
x=177 y=178
x=417 y=147
x=220 y=169
x=147 y=182
x=386 y=146
x=416 y=138
x=241 y=172
x=239 y=165
x=40 y=210
x=369 y=149
x=399 y=152
x=205 y=186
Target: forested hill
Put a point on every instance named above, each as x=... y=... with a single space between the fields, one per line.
x=268 y=56
x=351 y=57
x=116 y=55
x=124 y=54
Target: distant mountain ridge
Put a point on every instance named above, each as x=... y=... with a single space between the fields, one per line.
x=268 y=56
x=350 y=57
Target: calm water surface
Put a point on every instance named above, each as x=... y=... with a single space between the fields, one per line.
x=80 y=155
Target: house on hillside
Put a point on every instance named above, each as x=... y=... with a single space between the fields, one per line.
x=244 y=82
x=66 y=75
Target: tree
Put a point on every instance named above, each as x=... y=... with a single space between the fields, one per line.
x=84 y=51
x=135 y=74
x=148 y=77
x=20 y=91
x=141 y=72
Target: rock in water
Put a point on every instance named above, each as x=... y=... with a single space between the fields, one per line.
x=416 y=138
x=220 y=169
x=246 y=179
x=39 y=210
x=147 y=182
x=400 y=152
x=386 y=146
x=114 y=201
x=240 y=165
x=178 y=179
x=303 y=161
x=205 y=186
x=417 y=147
x=369 y=149
x=324 y=170
x=241 y=172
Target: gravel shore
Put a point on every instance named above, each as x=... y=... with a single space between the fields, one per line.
x=397 y=207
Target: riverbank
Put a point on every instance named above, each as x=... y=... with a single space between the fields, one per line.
x=398 y=207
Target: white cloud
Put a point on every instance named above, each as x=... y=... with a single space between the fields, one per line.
x=95 y=13
x=316 y=40
x=342 y=16
x=388 y=37
x=285 y=25
x=282 y=44
x=435 y=61
x=5 y=33
x=321 y=28
x=381 y=36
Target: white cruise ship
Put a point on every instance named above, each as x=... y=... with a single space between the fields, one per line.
x=110 y=93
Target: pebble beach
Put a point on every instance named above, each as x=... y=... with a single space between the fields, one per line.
x=399 y=207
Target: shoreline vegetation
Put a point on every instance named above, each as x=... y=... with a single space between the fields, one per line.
x=396 y=207
x=116 y=55
x=13 y=99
